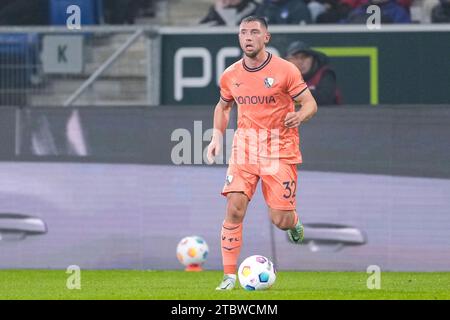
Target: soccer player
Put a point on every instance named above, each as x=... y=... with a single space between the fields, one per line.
x=265 y=89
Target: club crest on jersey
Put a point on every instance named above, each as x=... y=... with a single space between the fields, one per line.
x=268 y=82
x=229 y=179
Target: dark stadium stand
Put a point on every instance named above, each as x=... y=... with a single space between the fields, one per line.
x=92 y=11
x=18 y=56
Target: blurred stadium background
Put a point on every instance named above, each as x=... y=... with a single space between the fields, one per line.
x=86 y=123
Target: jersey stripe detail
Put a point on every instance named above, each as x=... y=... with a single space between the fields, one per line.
x=226 y=100
x=232 y=228
x=293 y=97
x=265 y=63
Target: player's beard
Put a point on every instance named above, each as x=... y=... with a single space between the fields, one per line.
x=252 y=54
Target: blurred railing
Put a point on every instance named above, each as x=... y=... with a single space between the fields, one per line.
x=46 y=66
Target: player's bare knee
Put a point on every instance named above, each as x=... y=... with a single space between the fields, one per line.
x=236 y=207
x=235 y=212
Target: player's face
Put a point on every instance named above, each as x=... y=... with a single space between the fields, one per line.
x=253 y=38
x=303 y=61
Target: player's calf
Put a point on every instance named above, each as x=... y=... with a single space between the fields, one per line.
x=282 y=222
x=296 y=234
x=283 y=219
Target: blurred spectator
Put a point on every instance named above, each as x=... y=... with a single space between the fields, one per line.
x=441 y=12
x=316 y=71
x=405 y=4
x=24 y=12
x=353 y=3
x=316 y=8
x=285 y=12
x=391 y=12
x=229 y=12
x=124 y=11
x=423 y=8
x=357 y=3
x=336 y=11
x=426 y=8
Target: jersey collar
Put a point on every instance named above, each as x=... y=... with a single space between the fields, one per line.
x=265 y=63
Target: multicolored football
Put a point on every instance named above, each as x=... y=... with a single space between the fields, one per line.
x=192 y=252
x=256 y=273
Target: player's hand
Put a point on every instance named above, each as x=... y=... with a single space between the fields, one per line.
x=213 y=150
x=292 y=120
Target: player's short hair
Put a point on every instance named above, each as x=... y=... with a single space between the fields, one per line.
x=259 y=19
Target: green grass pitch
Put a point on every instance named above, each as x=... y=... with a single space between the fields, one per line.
x=167 y=285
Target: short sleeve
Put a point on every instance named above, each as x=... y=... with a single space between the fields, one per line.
x=225 y=92
x=295 y=83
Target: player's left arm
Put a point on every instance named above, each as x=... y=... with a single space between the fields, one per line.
x=307 y=110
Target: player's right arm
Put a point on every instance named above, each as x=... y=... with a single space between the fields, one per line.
x=221 y=118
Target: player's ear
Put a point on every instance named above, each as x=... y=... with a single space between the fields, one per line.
x=267 y=38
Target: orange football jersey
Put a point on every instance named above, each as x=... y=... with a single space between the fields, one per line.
x=264 y=95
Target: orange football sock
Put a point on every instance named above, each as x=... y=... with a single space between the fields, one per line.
x=231 y=246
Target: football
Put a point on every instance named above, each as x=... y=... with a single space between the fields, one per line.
x=192 y=252
x=256 y=273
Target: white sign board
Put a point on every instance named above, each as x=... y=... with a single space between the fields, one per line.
x=63 y=54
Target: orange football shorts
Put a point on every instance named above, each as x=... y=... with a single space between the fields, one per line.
x=278 y=187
